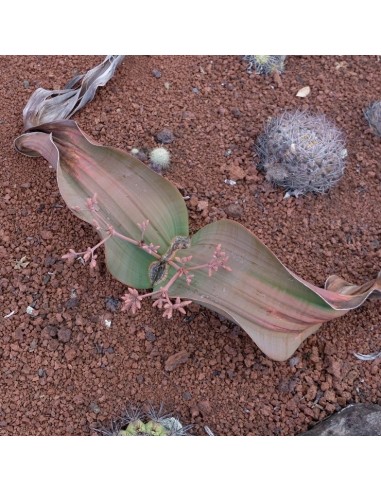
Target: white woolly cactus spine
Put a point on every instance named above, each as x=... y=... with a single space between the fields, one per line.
x=302 y=152
x=160 y=158
x=265 y=64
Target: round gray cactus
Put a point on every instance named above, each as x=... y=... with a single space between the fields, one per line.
x=302 y=152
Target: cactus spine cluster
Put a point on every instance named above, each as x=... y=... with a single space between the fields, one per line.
x=160 y=158
x=265 y=64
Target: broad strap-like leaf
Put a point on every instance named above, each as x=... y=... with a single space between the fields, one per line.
x=46 y=106
x=274 y=306
x=128 y=193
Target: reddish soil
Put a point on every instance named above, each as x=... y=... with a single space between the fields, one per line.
x=63 y=371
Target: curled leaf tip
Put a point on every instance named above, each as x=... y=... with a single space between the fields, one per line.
x=46 y=106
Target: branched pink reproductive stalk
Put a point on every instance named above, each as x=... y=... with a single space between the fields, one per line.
x=132 y=299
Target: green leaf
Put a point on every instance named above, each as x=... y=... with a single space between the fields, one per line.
x=128 y=193
x=274 y=306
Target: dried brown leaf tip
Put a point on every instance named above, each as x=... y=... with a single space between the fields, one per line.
x=46 y=106
x=304 y=91
x=22 y=263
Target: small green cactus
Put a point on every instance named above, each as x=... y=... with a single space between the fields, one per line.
x=302 y=152
x=265 y=64
x=135 y=422
x=373 y=115
x=151 y=428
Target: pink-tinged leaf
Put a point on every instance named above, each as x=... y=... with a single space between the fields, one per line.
x=46 y=106
x=127 y=192
x=275 y=307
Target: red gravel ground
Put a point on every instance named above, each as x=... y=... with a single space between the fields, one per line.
x=64 y=372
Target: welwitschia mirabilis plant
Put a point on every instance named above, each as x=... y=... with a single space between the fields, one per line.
x=241 y=278
x=143 y=224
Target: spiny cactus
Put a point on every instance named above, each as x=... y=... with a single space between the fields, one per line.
x=302 y=152
x=265 y=64
x=135 y=422
x=373 y=116
x=159 y=159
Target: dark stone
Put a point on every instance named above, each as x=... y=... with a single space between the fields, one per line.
x=361 y=419
x=187 y=395
x=112 y=304
x=64 y=335
x=72 y=303
x=156 y=73
x=165 y=136
x=141 y=155
x=49 y=261
x=46 y=279
x=151 y=337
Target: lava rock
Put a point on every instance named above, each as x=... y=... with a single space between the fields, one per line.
x=72 y=303
x=205 y=407
x=112 y=304
x=234 y=210
x=64 y=335
x=176 y=360
x=361 y=419
x=165 y=136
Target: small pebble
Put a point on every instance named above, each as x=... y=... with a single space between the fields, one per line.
x=293 y=361
x=112 y=304
x=165 y=136
x=236 y=113
x=176 y=360
x=205 y=407
x=156 y=73
x=64 y=335
x=187 y=395
x=94 y=407
x=195 y=412
x=234 y=210
x=72 y=303
x=151 y=337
